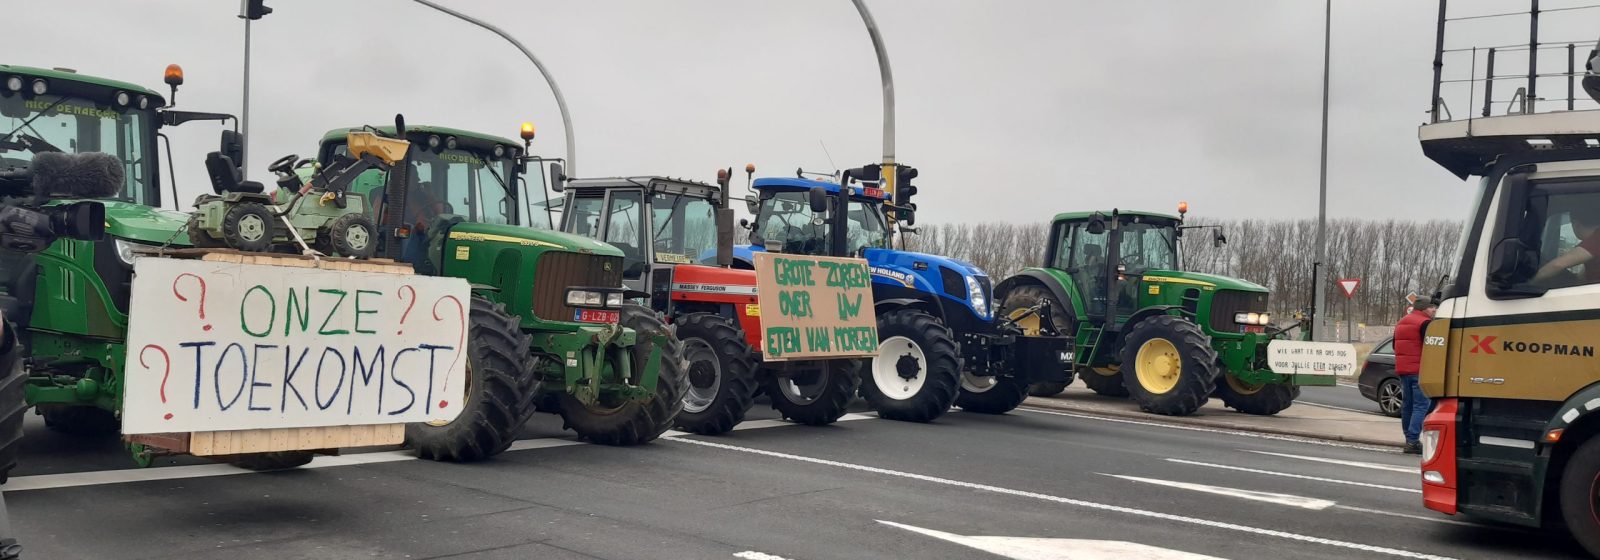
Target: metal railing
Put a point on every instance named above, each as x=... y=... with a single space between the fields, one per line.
x=1525 y=98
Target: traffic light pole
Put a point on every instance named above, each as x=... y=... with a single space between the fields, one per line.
x=887 y=179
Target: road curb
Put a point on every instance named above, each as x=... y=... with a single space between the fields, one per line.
x=1067 y=406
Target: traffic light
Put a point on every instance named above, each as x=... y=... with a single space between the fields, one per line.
x=905 y=210
x=253 y=9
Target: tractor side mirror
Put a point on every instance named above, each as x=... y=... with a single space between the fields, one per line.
x=752 y=205
x=558 y=178
x=724 y=237
x=818 y=199
x=1218 y=239
x=1097 y=226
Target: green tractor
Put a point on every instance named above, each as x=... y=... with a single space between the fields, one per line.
x=1143 y=327
x=552 y=328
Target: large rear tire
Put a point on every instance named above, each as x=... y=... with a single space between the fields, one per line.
x=271 y=461
x=1580 y=495
x=1026 y=296
x=721 y=374
x=501 y=383
x=85 y=421
x=1168 y=365
x=817 y=397
x=917 y=371
x=1263 y=400
x=632 y=423
x=13 y=406
x=1047 y=388
x=1105 y=381
x=991 y=395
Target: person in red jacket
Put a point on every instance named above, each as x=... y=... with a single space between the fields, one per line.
x=1407 y=363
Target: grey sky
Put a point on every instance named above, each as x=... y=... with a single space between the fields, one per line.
x=1012 y=110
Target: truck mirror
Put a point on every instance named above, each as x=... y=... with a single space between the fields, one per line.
x=1218 y=239
x=1097 y=226
x=907 y=216
x=819 y=200
x=724 y=237
x=752 y=205
x=558 y=179
x=1511 y=262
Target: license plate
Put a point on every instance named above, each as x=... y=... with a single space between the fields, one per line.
x=595 y=316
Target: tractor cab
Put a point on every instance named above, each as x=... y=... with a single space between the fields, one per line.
x=1111 y=254
x=789 y=220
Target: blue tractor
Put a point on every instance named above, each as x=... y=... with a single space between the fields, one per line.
x=939 y=340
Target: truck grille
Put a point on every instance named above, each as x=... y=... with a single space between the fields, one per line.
x=1225 y=303
x=559 y=270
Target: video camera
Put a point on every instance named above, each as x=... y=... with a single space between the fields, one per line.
x=27 y=225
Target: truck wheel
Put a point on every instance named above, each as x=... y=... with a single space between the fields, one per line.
x=199 y=237
x=1105 y=381
x=353 y=235
x=87 y=421
x=1265 y=399
x=990 y=395
x=915 y=375
x=818 y=396
x=1061 y=319
x=1169 y=366
x=13 y=405
x=501 y=384
x=721 y=374
x=271 y=461
x=1580 y=502
x=249 y=226
x=630 y=423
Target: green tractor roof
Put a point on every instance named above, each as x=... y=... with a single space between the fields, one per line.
x=338 y=134
x=1074 y=216
x=71 y=76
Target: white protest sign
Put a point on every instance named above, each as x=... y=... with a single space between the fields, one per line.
x=1296 y=357
x=227 y=346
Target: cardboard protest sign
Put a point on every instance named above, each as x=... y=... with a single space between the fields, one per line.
x=228 y=346
x=815 y=307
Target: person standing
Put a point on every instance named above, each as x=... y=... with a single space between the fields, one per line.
x=1414 y=405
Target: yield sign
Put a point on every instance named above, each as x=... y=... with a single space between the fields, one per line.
x=1348 y=286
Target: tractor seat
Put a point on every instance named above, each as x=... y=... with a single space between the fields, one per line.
x=225 y=176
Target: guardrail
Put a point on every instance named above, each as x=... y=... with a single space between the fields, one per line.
x=1525 y=98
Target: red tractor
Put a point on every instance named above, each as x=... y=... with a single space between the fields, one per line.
x=677 y=238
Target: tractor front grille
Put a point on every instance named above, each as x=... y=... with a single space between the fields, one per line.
x=1225 y=303
x=559 y=270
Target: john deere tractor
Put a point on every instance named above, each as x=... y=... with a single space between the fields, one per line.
x=550 y=327
x=1142 y=326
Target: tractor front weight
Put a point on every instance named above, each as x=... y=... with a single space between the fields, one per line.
x=585 y=356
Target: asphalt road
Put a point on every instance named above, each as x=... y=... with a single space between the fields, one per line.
x=1023 y=485
x=1345 y=397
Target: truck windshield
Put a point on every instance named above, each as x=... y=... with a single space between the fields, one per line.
x=75 y=125
x=785 y=223
x=686 y=228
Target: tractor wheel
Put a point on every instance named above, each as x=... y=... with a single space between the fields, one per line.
x=271 y=461
x=630 y=423
x=1580 y=505
x=721 y=370
x=1047 y=388
x=1265 y=399
x=917 y=371
x=13 y=406
x=990 y=395
x=199 y=237
x=86 y=421
x=1105 y=381
x=1169 y=366
x=1026 y=296
x=353 y=235
x=500 y=387
x=818 y=396
x=249 y=226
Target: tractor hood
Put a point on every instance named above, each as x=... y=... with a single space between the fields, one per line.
x=1213 y=280
x=529 y=236
x=913 y=261
x=145 y=224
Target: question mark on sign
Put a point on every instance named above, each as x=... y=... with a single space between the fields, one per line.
x=166 y=370
x=181 y=297
x=400 y=294
x=461 y=317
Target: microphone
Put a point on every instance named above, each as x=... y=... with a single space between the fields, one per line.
x=86 y=175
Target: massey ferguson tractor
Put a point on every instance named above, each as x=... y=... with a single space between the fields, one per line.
x=676 y=238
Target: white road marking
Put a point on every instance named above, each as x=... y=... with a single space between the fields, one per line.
x=1329 y=406
x=1240 y=433
x=1299 y=476
x=1373 y=466
x=1024 y=548
x=1253 y=495
x=753 y=555
x=1438 y=519
x=1072 y=501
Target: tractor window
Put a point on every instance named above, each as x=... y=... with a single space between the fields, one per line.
x=1148 y=247
x=1086 y=262
x=786 y=224
x=461 y=182
x=78 y=125
x=584 y=216
x=1569 y=244
x=625 y=230
x=685 y=228
x=867 y=228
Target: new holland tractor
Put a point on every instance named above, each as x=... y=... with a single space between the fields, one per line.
x=550 y=329
x=1144 y=327
x=936 y=324
x=676 y=237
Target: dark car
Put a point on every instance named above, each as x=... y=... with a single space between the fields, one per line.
x=1377 y=380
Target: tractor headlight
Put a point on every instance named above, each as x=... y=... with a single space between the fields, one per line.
x=14 y=83
x=40 y=87
x=123 y=99
x=1256 y=319
x=125 y=251
x=499 y=151
x=594 y=298
x=144 y=102
x=975 y=295
x=433 y=142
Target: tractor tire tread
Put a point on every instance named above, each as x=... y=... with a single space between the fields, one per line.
x=1006 y=395
x=502 y=383
x=943 y=369
x=830 y=406
x=1271 y=399
x=737 y=391
x=637 y=423
x=1192 y=390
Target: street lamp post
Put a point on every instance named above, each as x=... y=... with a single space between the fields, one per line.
x=887 y=77
x=249 y=11
x=561 y=102
x=1319 y=286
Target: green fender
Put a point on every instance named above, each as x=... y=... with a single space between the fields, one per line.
x=1057 y=281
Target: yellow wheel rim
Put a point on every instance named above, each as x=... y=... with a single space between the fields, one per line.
x=1242 y=388
x=1108 y=371
x=1028 y=324
x=1158 y=365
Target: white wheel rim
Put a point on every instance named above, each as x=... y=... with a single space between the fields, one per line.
x=892 y=354
x=251 y=228
x=356 y=237
x=699 y=398
x=976 y=384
